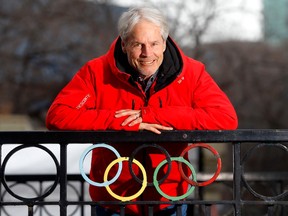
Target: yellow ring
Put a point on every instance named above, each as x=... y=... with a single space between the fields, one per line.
x=144 y=183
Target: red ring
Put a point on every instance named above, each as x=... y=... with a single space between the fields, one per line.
x=219 y=165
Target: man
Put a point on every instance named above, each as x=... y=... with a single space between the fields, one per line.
x=144 y=82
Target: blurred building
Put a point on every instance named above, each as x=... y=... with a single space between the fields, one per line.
x=275 y=20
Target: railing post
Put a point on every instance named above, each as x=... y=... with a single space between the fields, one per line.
x=237 y=177
x=63 y=180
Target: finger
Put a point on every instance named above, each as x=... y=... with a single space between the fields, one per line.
x=136 y=121
x=157 y=128
x=161 y=127
x=167 y=128
x=123 y=110
x=130 y=119
x=122 y=113
x=154 y=130
x=149 y=127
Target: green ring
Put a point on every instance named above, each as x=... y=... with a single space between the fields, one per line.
x=156 y=184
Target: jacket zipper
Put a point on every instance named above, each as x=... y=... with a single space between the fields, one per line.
x=133 y=104
x=146 y=103
x=160 y=102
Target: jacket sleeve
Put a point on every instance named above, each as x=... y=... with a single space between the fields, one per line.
x=74 y=108
x=210 y=108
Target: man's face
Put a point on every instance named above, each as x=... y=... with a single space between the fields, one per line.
x=144 y=48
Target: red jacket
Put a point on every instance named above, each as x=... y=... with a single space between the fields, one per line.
x=184 y=96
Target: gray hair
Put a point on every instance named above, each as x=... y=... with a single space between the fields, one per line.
x=130 y=18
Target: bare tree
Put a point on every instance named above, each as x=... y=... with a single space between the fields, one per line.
x=44 y=42
x=254 y=75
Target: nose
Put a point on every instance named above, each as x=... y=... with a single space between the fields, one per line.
x=146 y=50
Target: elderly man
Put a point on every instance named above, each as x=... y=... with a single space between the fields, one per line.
x=143 y=82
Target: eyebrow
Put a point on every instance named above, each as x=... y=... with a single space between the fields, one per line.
x=138 y=42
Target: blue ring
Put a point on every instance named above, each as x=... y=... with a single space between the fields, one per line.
x=106 y=183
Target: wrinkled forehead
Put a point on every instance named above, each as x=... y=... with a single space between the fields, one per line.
x=144 y=32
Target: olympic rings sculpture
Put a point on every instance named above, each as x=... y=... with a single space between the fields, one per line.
x=180 y=159
x=193 y=182
x=219 y=164
x=144 y=184
x=85 y=153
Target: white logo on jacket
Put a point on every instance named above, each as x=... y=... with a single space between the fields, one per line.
x=83 y=101
x=180 y=80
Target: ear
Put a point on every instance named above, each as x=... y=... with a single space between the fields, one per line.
x=164 y=47
x=123 y=46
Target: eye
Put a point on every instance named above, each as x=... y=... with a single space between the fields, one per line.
x=155 y=44
x=136 y=45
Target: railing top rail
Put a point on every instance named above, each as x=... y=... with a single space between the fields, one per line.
x=191 y=136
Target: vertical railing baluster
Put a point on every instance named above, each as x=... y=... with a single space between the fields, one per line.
x=122 y=210
x=270 y=210
x=30 y=210
x=93 y=210
x=82 y=197
x=237 y=177
x=208 y=210
x=178 y=210
x=150 y=210
x=63 y=180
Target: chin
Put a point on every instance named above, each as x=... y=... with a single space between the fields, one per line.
x=147 y=72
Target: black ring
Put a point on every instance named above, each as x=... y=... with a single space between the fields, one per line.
x=155 y=146
x=41 y=197
x=246 y=156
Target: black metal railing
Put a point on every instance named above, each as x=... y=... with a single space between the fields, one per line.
x=253 y=179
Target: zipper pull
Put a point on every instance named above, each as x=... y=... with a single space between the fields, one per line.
x=160 y=102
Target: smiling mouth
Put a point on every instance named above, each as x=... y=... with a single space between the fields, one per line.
x=146 y=62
